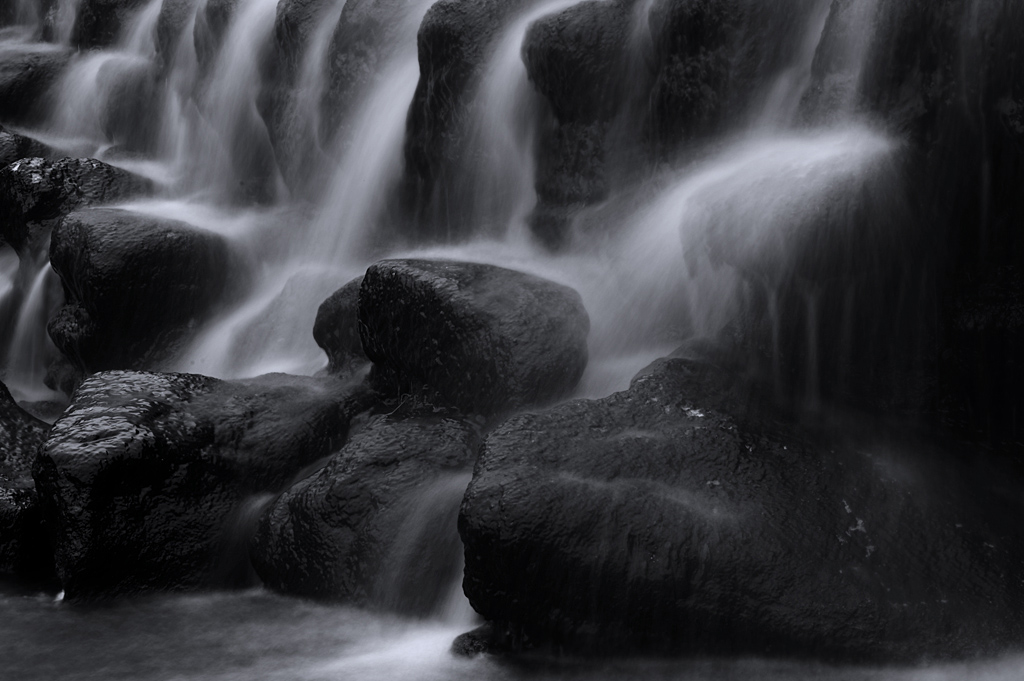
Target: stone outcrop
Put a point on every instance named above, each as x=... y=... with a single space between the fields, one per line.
x=35 y=193
x=25 y=77
x=336 y=329
x=134 y=286
x=482 y=338
x=148 y=480
x=24 y=551
x=376 y=524
x=657 y=520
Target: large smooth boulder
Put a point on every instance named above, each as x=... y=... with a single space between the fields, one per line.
x=35 y=193
x=147 y=480
x=657 y=520
x=26 y=75
x=482 y=338
x=376 y=525
x=134 y=286
x=336 y=329
x=24 y=551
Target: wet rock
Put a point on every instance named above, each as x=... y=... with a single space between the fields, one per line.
x=573 y=58
x=24 y=551
x=147 y=480
x=99 y=23
x=14 y=146
x=946 y=78
x=983 y=362
x=134 y=286
x=376 y=524
x=694 y=44
x=131 y=121
x=454 y=43
x=363 y=40
x=286 y=99
x=175 y=17
x=473 y=643
x=25 y=77
x=336 y=329
x=484 y=339
x=657 y=520
x=211 y=26
x=35 y=193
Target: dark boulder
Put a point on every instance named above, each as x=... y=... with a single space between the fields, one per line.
x=286 y=101
x=14 y=146
x=26 y=75
x=947 y=79
x=36 y=193
x=336 y=329
x=175 y=17
x=694 y=45
x=134 y=286
x=99 y=23
x=482 y=338
x=656 y=520
x=377 y=524
x=574 y=59
x=983 y=360
x=454 y=43
x=24 y=551
x=147 y=479
x=210 y=29
x=363 y=41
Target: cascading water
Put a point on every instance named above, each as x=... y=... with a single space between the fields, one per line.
x=231 y=151
x=692 y=249
x=31 y=350
x=496 y=180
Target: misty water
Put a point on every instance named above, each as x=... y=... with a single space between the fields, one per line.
x=650 y=276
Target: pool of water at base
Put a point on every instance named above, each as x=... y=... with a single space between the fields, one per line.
x=255 y=635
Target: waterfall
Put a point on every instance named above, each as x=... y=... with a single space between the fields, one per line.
x=423 y=568
x=85 y=99
x=497 y=178
x=31 y=350
x=371 y=152
x=681 y=251
x=231 y=152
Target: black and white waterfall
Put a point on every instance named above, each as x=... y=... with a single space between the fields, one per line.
x=511 y=339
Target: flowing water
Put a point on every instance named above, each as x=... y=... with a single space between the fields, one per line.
x=679 y=255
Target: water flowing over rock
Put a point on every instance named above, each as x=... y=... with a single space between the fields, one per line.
x=453 y=44
x=35 y=193
x=483 y=338
x=287 y=101
x=99 y=22
x=336 y=329
x=14 y=146
x=338 y=533
x=655 y=519
x=134 y=285
x=143 y=476
x=25 y=76
x=359 y=49
x=23 y=549
x=572 y=59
